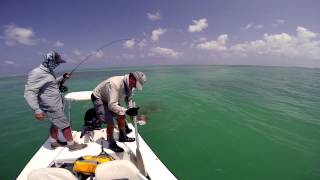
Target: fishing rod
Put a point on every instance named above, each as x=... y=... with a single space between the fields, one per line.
x=68 y=75
x=99 y=49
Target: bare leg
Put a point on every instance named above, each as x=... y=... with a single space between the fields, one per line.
x=54 y=132
x=67 y=134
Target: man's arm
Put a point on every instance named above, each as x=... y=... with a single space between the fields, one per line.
x=128 y=101
x=34 y=84
x=63 y=78
x=113 y=103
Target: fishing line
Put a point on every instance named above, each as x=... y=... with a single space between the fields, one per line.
x=63 y=88
x=99 y=49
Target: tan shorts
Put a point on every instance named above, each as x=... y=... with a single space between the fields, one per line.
x=58 y=119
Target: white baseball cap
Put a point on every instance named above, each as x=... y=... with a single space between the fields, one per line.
x=140 y=79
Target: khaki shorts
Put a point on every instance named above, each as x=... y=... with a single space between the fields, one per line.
x=58 y=119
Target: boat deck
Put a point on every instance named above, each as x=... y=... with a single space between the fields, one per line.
x=46 y=155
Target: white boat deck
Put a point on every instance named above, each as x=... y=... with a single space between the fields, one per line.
x=46 y=155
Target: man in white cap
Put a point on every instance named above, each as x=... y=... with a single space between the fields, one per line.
x=106 y=100
x=43 y=96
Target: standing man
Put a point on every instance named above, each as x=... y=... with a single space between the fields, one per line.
x=43 y=96
x=106 y=100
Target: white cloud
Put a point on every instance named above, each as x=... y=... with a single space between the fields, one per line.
x=251 y=25
x=129 y=44
x=195 y=42
x=164 y=52
x=9 y=62
x=79 y=55
x=142 y=43
x=280 y=21
x=198 y=25
x=248 y=26
x=201 y=39
x=92 y=54
x=77 y=52
x=14 y=35
x=304 y=34
x=58 y=44
x=157 y=33
x=215 y=45
x=305 y=44
x=259 y=26
x=98 y=54
x=154 y=17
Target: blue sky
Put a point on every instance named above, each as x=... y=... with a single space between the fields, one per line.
x=247 y=32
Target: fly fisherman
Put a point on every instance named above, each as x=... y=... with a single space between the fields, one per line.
x=43 y=96
x=106 y=100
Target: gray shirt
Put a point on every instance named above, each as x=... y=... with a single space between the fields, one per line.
x=42 y=90
x=112 y=90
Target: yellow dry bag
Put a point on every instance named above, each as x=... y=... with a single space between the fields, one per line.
x=87 y=164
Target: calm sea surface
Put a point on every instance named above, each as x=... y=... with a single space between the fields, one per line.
x=206 y=122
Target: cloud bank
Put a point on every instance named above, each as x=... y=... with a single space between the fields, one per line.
x=157 y=33
x=164 y=52
x=15 y=35
x=129 y=44
x=198 y=25
x=304 y=44
x=215 y=45
x=154 y=17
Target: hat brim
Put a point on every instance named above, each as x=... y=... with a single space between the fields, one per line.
x=139 y=85
x=61 y=61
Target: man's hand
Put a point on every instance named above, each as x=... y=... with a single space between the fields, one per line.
x=62 y=87
x=132 y=111
x=40 y=116
x=66 y=76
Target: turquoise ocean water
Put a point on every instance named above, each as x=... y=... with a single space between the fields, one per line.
x=206 y=122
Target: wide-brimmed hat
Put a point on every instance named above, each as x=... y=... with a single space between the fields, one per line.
x=140 y=79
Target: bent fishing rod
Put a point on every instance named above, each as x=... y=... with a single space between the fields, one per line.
x=68 y=75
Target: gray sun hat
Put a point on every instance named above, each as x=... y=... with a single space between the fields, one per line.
x=140 y=79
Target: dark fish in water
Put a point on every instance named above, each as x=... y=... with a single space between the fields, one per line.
x=149 y=108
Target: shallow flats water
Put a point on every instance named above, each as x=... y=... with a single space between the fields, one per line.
x=206 y=122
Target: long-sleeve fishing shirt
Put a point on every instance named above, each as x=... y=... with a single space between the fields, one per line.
x=42 y=90
x=112 y=90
